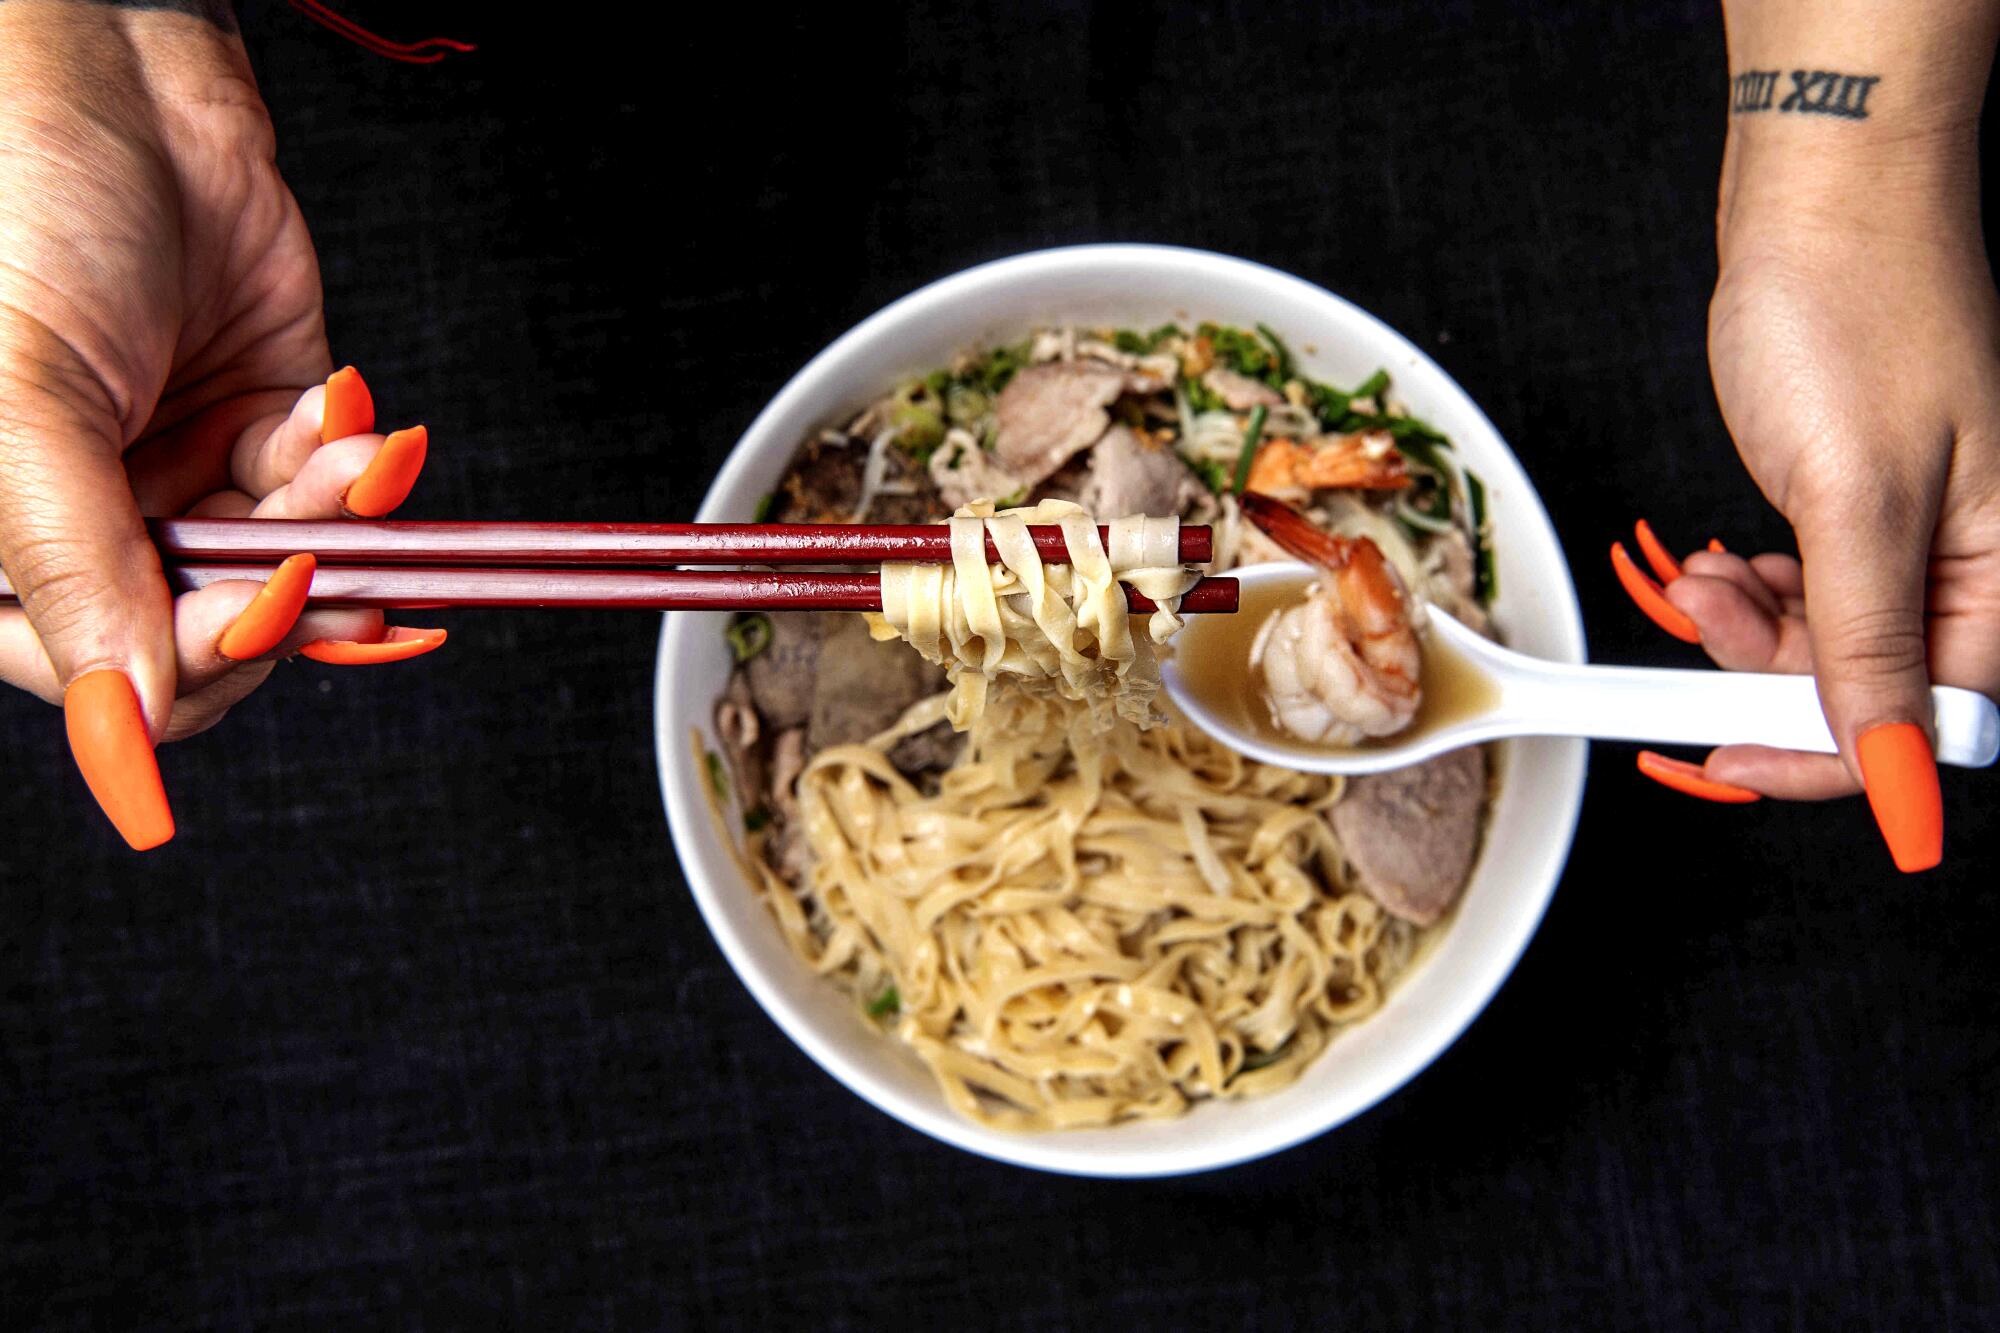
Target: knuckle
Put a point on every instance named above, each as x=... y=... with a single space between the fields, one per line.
x=1874 y=644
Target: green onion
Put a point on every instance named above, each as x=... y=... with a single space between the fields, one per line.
x=1286 y=368
x=1251 y=435
x=1201 y=398
x=1372 y=386
x=749 y=634
x=888 y=1002
x=718 y=778
x=764 y=507
x=1012 y=500
x=1213 y=475
x=1485 y=576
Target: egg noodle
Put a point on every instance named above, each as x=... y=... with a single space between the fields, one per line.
x=1092 y=918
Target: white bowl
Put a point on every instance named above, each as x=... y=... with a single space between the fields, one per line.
x=1526 y=844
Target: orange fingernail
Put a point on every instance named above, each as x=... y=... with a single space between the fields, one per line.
x=1685 y=777
x=1650 y=600
x=271 y=613
x=1664 y=565
x=349 y=409
x=390 y=475
x=108 y=736
x=1715 y=545
x=398 y=645
x=1900 y=775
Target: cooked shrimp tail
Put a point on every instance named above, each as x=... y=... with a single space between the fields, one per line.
x=1345 y=663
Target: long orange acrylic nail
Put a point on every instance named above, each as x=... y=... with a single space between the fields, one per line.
x=1665 y=567
x=390 y=474
x=398 y=645
x=1899 y=772
x=271 y=613
x=1689 y=779
x=1715 y=545
x=349 y=409
x=114 y=752
x=1647 y=595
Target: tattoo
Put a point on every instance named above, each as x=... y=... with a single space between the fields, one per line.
x=219 y=12
x=1815 y=92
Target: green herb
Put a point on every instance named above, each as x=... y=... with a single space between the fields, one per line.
x=1286 y=367
x=1213 y=475
x=1252 y=435
x=1012 y=500
x=937 y=382
x=1143 y=344
x=919 y=427
x=757 y=820
x=992 y=371
x=718 y=778
x=1241 y=351
x=1373 y=386
x=965 y=404
x=1329 y=404
x=888 y=1002
x=1201 y=398
x=749 y=634
x=764 y=507
x=1485 y=576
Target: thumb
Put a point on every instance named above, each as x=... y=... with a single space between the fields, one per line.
x=1865 y=562
x=74 y=547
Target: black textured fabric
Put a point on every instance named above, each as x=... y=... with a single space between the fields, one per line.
x=415 y=1024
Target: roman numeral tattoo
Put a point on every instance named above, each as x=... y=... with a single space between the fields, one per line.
x=1814 y=92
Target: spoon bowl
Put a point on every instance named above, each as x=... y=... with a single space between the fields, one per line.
x=1527 y=696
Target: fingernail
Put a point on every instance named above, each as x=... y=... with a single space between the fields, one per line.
x=1900 y=774
x=1647 y=595
x=349 y=409
x=1664 y=565
x=1715 y=545
x=114 y=752
x=398 y=645
x=390 y=475
x=271 y=613
x=1688 y=778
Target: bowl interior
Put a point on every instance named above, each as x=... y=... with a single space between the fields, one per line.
x=1531 y=826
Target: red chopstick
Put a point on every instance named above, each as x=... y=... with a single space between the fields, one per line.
x=430 y=586
x=520 y=545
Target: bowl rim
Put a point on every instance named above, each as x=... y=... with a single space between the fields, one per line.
x=686 y=813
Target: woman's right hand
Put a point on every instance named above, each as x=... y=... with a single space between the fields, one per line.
x=162 y=352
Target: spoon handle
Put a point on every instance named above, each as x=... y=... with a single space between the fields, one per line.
x=1715 y=708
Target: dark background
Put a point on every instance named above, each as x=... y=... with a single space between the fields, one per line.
x=415 y=1023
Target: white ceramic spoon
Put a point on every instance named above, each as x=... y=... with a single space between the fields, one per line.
x=1532 y=697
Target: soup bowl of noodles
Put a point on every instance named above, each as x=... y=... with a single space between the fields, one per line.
x=1058 y=936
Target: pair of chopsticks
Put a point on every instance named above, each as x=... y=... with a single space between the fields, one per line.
x=410 y=565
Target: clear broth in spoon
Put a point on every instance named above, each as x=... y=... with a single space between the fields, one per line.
x=1212 y=655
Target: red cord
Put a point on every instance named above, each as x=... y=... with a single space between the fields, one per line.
x=407 y=52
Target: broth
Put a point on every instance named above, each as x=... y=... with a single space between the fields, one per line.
x=1212 y=655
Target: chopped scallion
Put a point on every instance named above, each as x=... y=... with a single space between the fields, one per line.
x=749 y=634
x=1253 y=434
x=888 y=1002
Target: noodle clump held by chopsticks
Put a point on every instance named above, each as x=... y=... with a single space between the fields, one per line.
x=1058 y=630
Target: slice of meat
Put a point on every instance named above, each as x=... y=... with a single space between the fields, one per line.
x=860 y=686
x=1240 y=393
x=1411 y=834
x=781 y=677
x=1131 y=475
x=824 y=482
x=1049 y=412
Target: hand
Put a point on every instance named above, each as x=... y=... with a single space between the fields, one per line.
x=1853 y=341
x=161 y=352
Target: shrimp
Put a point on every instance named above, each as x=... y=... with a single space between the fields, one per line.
x=1368 y=461
x=1343 y=664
